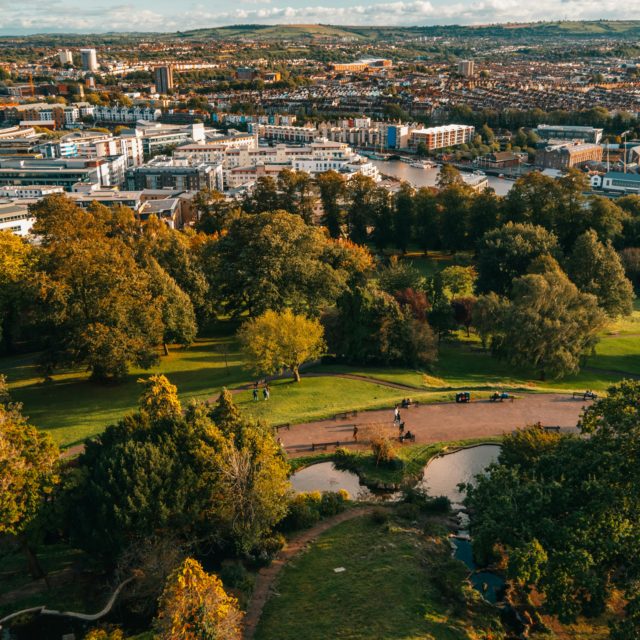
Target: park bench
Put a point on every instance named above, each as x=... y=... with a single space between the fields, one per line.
x=585 y=395
x=501 y=397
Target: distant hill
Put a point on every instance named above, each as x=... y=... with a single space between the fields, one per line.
x=616 y=29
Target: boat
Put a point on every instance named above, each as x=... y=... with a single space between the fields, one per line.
x=422 y=164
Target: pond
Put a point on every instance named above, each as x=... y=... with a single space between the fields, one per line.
x=443 y=474
x=325 y=477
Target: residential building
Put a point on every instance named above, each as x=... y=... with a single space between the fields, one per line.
x=157 y=137
x=65 y=57
x=164 y=79
x=125 y=115
x=31 y=192
x=89 y=59
x=169 y=173
x=449 y=135
x=501 y=160
x=466 y=68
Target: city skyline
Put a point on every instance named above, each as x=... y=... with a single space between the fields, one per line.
x=147 y=16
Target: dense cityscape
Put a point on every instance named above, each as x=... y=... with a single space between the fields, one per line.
x=320 y=331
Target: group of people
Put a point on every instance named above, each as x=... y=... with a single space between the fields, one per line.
x=266 y=391
x=397 y=421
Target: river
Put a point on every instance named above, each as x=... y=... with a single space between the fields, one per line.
x=428 y=177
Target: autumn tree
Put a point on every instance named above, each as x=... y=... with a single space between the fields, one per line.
x=28 y=461
x=463 y=311
x=16 y=268
x=276 y=341
x=195 y=606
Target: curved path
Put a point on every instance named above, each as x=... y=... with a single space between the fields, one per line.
x=445 y=421
x=267 y=575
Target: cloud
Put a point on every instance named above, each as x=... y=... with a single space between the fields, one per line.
x=30 y=16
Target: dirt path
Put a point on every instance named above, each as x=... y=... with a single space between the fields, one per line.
x=268 y=575
x=444 y=421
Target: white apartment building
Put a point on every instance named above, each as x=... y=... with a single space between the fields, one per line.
x=15 y=217
x=31 y=192
x=65 y=57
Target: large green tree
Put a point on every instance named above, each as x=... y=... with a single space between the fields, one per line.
x=332 y=190
x=596 y=268
x=548 y=324
x=275 y=260
x=505 y=253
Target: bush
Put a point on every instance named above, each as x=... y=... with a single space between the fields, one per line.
x=267 y=549
x=235 y=576
x=333 y=502
x=408 y=511
x=305 y=509
x=380 y=516
x=424 y=502
x=383 y=450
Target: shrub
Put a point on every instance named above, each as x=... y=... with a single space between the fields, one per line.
x=267 y=549
x=382 y=449
x=333 y=502
x=380 y=516
x=235 y=576
x=424 y=502
x=408 y=511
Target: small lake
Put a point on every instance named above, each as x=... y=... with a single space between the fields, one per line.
x=443 y=474
x=325 y=477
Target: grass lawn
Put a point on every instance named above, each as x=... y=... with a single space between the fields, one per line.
x=314 y=398
x=72 y=408
x=386 y=591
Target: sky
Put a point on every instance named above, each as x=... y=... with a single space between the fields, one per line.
x=18 y=17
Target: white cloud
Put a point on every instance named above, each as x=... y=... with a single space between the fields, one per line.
x=30 y=16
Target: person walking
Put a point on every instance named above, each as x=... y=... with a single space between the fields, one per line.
x=255 y=394
x=400 y=429
x=355 y=433
x=396 y=415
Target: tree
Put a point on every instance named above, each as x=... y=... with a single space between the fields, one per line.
x=548 y=324
x=332 y=190
x=630 y=258
x=370 y=326
x=506 y=253
x=360 y=191
x=487 y=316
x=276 y=341
x=275 y=260
x=458 y=281
x=195 y=606
x=597 y=268
x=463 y=311
x=404 y=216
x=400 y=275
x=213 y=211
x=448 y=175
x=427 y=219
x=485 y=213
x=96 y=301
x=201 y=476
x=264 y=196
x=16 y=269
x=28 y=465
x=563 y=510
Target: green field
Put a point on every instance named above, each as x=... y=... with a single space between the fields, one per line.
x=386 y=591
